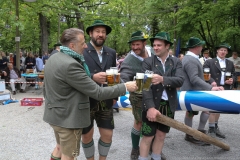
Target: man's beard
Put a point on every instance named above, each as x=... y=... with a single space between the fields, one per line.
x=141 y=52
x=97 y=44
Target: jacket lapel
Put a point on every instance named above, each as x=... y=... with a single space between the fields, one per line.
x=105 y=56
x=217 y=64
x=168 y=65
x=158 y=66
x=228 y=69
x=93 y=53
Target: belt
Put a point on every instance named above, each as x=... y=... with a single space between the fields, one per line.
x=162 y=100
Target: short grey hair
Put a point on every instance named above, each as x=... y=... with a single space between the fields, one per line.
x=70 y=35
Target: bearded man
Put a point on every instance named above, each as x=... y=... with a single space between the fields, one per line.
x=99 y=58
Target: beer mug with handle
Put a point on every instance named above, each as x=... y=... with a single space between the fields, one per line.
x=147 y=81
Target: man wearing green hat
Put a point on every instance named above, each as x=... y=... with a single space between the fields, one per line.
x=56 y=48
x=194 y=81
x=131 y=65
x=161 y=98
x=219 y=68
x=99 y=58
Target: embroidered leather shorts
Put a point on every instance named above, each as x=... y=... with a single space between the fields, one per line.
x=69 y=140
x=149 y=128
x=136 y=102
x=103 y=116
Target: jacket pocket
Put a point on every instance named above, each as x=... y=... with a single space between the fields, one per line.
x=83 y=105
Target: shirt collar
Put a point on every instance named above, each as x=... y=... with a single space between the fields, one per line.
x=140 y=58
x=101 y=51
x=189 y=53
x=161 y=59
x=220 y=60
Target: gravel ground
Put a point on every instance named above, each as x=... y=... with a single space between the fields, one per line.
x=25 y=136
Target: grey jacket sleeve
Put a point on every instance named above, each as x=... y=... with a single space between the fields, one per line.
x=126 y=72
x=192 y=72
x=88 y=87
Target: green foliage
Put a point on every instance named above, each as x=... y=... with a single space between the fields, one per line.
x=213 y=22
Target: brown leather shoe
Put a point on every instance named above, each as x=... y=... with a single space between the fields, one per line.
x=191 y=139
x=14 y=92
x=22 y=91
x=134 y=154
x=205 y=132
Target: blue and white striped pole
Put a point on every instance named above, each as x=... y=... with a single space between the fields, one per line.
x=215 y=101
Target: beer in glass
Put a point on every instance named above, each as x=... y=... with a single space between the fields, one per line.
x=228 y=75
x=117 y=78
x=139 y=81
x=147 y=81
x=116 y=75
x=110 y=77
x=206 y=72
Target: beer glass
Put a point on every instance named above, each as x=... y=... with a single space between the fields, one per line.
x=228 y=75
x=117 y=78
x=110 y=77
x=139 y=81
x=206 y=72
x=116 y=75
x=147 y=81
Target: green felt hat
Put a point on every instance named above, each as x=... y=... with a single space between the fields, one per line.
x=162 y=36
x=138 y=35
x=224 y=45
x=99 y=23
x=194 y=42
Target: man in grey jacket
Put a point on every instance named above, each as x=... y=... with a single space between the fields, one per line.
x=67 y=88
x=193 y=74
x=131 y=65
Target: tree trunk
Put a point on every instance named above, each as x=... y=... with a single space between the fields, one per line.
x=44 y=33
x=78 y=18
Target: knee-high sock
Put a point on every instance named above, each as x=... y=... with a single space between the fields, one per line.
x=203 y=120
x=188 y=121
x=89 y=149
x=103 y=148
x=135 y=134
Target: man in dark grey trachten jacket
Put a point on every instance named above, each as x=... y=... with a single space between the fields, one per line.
x=193 y=74
x=161 y=97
